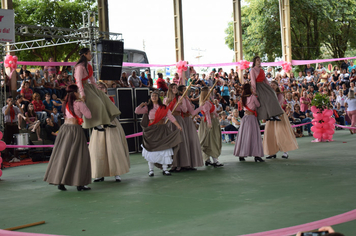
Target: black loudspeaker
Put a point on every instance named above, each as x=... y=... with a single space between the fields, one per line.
x=109 y=54
x=125 y=103
x=139 y=138
x=129 y=128
x=141 y=95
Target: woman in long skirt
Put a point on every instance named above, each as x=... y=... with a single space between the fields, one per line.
x=279 y=136
x=160 y=143
x=269 y=109
x=109 y=153
x=195 y=153
x=70 y=159
x=95 y=99
x=209 y=131
x=248 y=140
x=181 y=159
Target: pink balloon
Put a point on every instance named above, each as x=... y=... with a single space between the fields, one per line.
x=1 y=135
x=0 y=173
x=313 y=128
x=325 y=136
x=328 y=113
x=314 y=109
x=326 y=119
x=330 y=131
x=317 y=135
x=318 y=116
x=330 y=137
x=326 y=126
x=2 y=145
x=332 y=121
x=318 y=125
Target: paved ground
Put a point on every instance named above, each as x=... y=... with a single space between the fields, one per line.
x=316 y=182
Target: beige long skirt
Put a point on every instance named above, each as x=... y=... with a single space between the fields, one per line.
x=195 y=153
x=103 y=110
x=70 y=159
x=109 y=153
x=279 y=136
x=210 y=139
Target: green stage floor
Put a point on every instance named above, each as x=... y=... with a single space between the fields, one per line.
x=316 y=182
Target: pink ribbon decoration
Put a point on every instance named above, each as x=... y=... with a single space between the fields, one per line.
x=181 y=66
x=244 y=64
x=287 y=66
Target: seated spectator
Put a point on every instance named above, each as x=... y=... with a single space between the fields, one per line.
x=339 y=114
x=46 y=81
x=223 y=123
x=11 y=111
x=289 y=112
x=335 y=80
x=331 y=231
x=323 y=78
x=57 y=103
x=289 y=100
x=124 y=83
x=61 y=85
x=52 y=70
x=144 y=80
x=345 y=90
x=305 y=102
x=134 y=81
x=310 y=79
x=27 y=94
x=20 y=116
x=55 y=86
x=227 y=110
x=51 y=129
x=27 y=77
x=353 y=75
x=225 y=93
x=234 y=126
x=32 y=123
x=194 y=98
x=168 y=81
x=341 y=98
x=48 y=104
x=39 y=107
x=303 y=118
x=176 y=79
x=55 y=116
x=38 y=84
x=344 y=78
x=218 y=106
x=161 y=84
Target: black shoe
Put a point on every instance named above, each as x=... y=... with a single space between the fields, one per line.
x=111 y=126
x=242 y=159
x=208 y=163
x=192 y=168
x=61 y=187
x=166 y=172
x=84 y=188
x=151 y=173
x=99 y=129
x=218 y=164
x=285 y=157
x=259 y=159
x=272 y=156
x=276 y=118
x=99 y=180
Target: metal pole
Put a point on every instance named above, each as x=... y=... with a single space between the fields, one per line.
x=103 y=17
x=237 y=35
x=178 y=30
x=284 y=12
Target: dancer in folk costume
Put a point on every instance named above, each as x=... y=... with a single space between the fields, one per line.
x=209 y=130
x=248 y=140
x=109 y=153
x=95 y=99
x=195 y=153
x=70 y=160
x=181 y=159
x=269 y=109
x=279 y=136
x=159 y=141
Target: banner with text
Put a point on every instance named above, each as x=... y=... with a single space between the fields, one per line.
x=7 y=26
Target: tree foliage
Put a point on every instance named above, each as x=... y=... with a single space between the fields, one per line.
x=49 y=13
x=315 y=25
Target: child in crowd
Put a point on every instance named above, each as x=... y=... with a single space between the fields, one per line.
x=56 y=117
x=223 y=123
x=32 y=123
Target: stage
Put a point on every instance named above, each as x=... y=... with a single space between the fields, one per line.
x=316 y=182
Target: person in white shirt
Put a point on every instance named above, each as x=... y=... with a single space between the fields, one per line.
x=309 y=78
x=351 y=109
x=341 y=98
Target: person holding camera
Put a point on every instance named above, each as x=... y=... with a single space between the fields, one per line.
x=323 y=231
x=11 y=111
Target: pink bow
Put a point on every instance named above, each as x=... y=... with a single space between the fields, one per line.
x=287 y=66
x=244 y=64
x=11 y=61
x=181 y=66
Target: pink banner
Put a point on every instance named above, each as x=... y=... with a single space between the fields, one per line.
x=129 y=64
x=334 y=220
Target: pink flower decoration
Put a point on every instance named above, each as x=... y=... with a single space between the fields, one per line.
x=11 y=61
x=244 y=64
x=181 y=66
x=287 y=66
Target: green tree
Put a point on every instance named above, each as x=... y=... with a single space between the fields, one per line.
x=49 y=13
x=315 y=24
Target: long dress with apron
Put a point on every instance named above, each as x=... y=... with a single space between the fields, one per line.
x=248 y=140
x=266 y=95
x=195 y=152
x=182 y=157
x=159 y=141
x=103 y=110
x=279 y=136
x=210 y=139
x=70 y=160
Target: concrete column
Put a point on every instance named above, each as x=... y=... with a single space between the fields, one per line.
x=237 y=34
x=178 y=32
